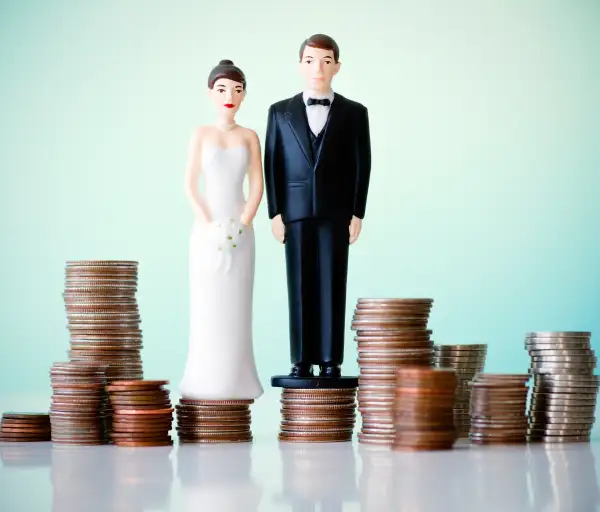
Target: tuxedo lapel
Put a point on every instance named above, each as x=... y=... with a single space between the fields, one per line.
x=334 y=122
x=296 y=116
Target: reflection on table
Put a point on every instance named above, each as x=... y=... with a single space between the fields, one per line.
x=218 y=477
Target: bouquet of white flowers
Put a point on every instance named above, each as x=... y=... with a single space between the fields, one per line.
x=227 y=236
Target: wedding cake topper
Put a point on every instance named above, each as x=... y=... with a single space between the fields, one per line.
x=220 y=362
x=317 y=169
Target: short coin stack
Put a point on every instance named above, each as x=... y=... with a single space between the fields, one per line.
x=563 y=401
x=317 y=415
x=103 y=317
x=25 y=427
x=466 y=360
x=78 y=403
x=214 y=421
x=423 y=409
x=143 y=415
x=389 y=333
x=498 y=408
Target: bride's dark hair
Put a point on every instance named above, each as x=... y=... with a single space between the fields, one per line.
x=226 y=69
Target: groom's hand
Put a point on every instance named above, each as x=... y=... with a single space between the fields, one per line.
x=278 y=228
x=355 y=227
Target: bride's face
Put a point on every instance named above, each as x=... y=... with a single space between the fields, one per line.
x=227 y=95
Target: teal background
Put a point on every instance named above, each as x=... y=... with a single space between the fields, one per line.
x=484 y=194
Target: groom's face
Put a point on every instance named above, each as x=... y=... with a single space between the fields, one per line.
x=318 y=68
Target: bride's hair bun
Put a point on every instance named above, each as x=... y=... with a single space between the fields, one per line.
x=226 y=69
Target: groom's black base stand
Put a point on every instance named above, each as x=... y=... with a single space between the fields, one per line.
x=286 y=381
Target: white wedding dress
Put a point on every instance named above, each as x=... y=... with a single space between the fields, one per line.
x=220 y=362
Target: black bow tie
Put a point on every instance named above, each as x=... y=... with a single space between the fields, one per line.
x=314 y=101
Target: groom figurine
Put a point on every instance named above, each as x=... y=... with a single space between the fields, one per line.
x=317 y=168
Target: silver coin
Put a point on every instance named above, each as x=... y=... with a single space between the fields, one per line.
x=560 y=426
x=545 y=399
x=560 y=417
x=561 y=352
x=462 y=354
x=564 y=359
x=553 y=334
x=560 y=364
x=571 y=412
x=473 y=366
x=558 y=339
x=572 y=348
x=559 y=432
x=572 y=380
x=554 y=370
x=462 y=361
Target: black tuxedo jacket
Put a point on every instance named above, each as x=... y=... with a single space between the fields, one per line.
x=332 y=184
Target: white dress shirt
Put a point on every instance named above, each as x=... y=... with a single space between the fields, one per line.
x=317 y=114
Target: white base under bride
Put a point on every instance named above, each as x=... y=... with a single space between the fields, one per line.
x=220 y=362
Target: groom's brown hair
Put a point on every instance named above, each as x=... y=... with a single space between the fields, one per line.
x=323 y=42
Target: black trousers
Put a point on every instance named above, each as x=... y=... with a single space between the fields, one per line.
x=317 y=266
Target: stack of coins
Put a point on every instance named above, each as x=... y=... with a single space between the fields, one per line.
x=498 y=408
x=143 y=415
x=563 y=401
x=214 y=421
x=424 y=409
x=103 y=317
x=390 y=333
x=317 y=415
x=25 y=427
x=78 y=403
x=467 y=361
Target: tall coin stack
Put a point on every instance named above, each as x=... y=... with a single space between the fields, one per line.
x=317 y=415
x=424 y=409
x=78 y=403
x=103 y=318
x=467 y=361
x=214 y=421
x=563 y=401
x=498 y=408
x=390 y=333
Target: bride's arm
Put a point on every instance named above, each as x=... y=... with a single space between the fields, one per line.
x=192 y=173
x=255 y=180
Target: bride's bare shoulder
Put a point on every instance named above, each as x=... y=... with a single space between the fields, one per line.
x=249 y=134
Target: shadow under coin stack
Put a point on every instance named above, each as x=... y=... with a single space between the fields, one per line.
x=498 y=408
x=25 y=427
x=467 y=360
x=318 y=415
x=214 y=421
x=424 y=409
x=78 y=404
x=563 y=402
x=103 y=317
x=390 y=333
x=143 y=415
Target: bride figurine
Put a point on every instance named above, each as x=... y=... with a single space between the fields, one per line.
x=220 y=361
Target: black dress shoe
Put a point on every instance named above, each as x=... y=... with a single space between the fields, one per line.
x=330 y=370
x=301 y=370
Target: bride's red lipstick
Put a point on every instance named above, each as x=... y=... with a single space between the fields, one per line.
x=229 y=105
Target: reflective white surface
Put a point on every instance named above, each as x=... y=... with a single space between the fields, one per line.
x=266 y=475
